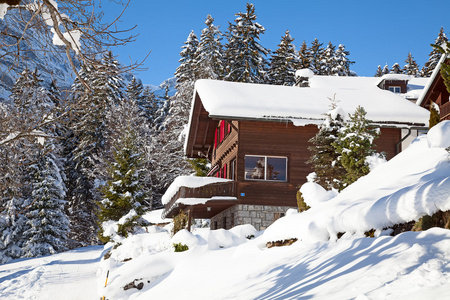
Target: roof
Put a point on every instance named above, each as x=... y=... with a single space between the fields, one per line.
x=432 y=78
x=307 y=105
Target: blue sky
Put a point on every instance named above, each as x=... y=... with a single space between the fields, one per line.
x=375 y=32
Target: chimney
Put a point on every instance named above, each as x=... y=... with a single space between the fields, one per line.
x=302 y=77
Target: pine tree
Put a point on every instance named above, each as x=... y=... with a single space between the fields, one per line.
x=304 y=55
x=434 y=55
x=354 y=144
x=124 y=190
x=245 y=57
x=91 y=129
x=342 y=62
x=284 y=62
x=396 y=69
x=330 y=63
x=435 y=117
x=209 y=56
x=386 y=69
x=324 y=157
x=48 y=224
x=411 y=67
x=379 y=72
x=316 y=57
x=186 y=71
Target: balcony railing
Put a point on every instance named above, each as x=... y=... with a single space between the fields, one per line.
x=445 y=111
x=206 y=191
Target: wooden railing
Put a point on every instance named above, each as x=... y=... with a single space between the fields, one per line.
x=445 y=111
x=206 y=191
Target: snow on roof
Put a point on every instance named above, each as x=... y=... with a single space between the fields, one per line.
x=431 y=79
x=195 y=201
x=190 y=182
x=416 y=86
x=307 y=105
x=155 y=217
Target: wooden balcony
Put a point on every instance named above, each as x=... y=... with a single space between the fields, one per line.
x=445 y=111
x=207 y=192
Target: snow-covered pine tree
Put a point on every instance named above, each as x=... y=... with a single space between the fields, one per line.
x=396 y=69
x=329 y=67
x=284 y=62
x=354 y=144
x=162 y=112
x=209 y=57
x=46 y=219
x=153 y=104
x=379 y=72
x=144 y=98
x=304 y=55
x=342 y=62
x=91 y=129
x=386 y=69
x=186 y=71
x=316 y=57
x=125 y=189
x=411 y=67
x=434 y=55
x=245 y=56
x=328 y=170
x=435 y=117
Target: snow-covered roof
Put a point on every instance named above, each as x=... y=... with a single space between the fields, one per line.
x=431 y=79
x=307 y=105
x=190 y=182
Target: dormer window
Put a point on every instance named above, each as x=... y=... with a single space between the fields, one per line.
x=395 y=89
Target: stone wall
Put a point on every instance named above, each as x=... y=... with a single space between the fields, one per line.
x=260 y=216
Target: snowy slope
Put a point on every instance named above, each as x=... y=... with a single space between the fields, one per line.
x=236 y=264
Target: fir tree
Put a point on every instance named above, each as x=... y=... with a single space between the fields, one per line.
x=124 y=190
x=284 y=62
x=330 y=63
x=434 y=55
x=435 y=117
x=324 y=158
x=386 y=69
x=316 y=57
x=354 y=144
x=396 y=69
x=411 y=67
x=245 y=57
x=379 y=72
x=304 y=55
x=186 y=71
x=342 y=63
x=209 y=56
x=47 y=222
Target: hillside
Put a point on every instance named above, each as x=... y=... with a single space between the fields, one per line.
x=236 y=264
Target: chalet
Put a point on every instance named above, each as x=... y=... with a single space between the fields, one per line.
x=435 y=91
x=256 y=138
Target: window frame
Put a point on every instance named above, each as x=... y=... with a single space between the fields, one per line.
x=394 y=88
x=265 y=167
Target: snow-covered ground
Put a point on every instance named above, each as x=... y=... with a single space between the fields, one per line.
x=236 y=264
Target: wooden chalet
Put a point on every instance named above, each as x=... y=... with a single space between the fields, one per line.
x=256 y=138
x=436 y=91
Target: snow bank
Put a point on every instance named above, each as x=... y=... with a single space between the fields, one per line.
x=439 y=135
x=414 y=183
x=190 y=182
x=155 y=217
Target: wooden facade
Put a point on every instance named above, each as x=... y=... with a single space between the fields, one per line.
x=438 y=93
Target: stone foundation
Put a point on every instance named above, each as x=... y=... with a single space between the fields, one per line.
x=260 y=216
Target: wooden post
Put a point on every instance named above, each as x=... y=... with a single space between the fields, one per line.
x=189 y=218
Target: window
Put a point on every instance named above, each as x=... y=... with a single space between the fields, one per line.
x=395 y=89
x=265 y=168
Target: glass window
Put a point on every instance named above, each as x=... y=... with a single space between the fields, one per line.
x=265 y=168
x=395 y=89
x=255 y=167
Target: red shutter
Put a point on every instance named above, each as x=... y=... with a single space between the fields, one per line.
x=225 y=171
x=215 y=139
x=229 y=127
x=222 y=130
